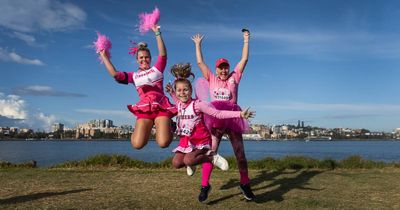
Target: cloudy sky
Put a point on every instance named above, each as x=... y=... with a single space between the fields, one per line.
x=329 y=63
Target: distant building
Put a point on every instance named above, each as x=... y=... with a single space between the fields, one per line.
x=57 y=127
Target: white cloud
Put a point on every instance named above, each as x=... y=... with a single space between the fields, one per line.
x=14 y=57
x=50 y=15
x=40 y=90
x=12 y=106
x=29 y=39
x=45 y=121
x=13 y=112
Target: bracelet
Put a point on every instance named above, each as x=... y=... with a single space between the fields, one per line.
x=158 y=33
x=245 y=41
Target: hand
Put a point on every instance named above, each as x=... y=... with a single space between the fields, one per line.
x=246 y=114
x=246 y=34
x=156 y=28
x=103 y=54
x=197 y=38
x=169 y=88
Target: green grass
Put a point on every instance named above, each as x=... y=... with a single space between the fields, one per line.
x=120 y=182
x=289 y=162
x=163 y=188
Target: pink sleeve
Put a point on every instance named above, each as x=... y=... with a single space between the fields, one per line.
x=211 y=76
x=161 y=63
x=237 y=74
x=124 y=77
x=201 y=106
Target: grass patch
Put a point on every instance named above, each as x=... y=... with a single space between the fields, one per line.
x=268 y=163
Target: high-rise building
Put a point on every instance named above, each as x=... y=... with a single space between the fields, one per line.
x=57 y=127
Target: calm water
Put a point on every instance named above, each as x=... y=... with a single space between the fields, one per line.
x=48 y=153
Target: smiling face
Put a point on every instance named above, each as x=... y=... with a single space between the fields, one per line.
x=223 y=71
x=143 y=59
x=183 y=91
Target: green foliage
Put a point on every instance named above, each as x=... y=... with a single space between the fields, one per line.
x=268 y=163
x=29 y=164
x=359 y=162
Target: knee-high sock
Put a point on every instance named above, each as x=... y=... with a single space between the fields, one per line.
x=206 y=170
x=238 y=148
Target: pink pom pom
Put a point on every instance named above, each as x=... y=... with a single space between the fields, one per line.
x=102 y=43
x=147 y=21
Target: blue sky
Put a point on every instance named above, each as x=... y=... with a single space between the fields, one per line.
x=328 y=63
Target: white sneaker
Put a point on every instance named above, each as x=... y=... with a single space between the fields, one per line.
x=220 y=162
x=190 y=170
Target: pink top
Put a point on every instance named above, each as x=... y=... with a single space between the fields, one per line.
x=225 y=90
x=155 y=88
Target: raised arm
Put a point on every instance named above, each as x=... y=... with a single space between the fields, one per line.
x=162 y=51
x=199 y=56
x=109 y=66
x=245 y=51
x=169 y=89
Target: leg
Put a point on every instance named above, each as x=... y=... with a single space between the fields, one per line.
x=216 y=136
x=163 y=131
x=197 y=157
x=177 y=161
x=141 y=134
x=238 y=148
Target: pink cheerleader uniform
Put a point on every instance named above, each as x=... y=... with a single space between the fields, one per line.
x=191 y=127
x=149 y=84
x=224 y=94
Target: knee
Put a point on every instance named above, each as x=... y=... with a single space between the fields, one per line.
x=137 y=144
x=187 y=161
x=177 y=163
x=164 y=144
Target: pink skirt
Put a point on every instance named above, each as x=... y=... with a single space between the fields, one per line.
x=153 y=103
x=239 y=125
x=200 y=139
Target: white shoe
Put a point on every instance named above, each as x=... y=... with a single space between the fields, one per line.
x=190 y=170
x=220 y=162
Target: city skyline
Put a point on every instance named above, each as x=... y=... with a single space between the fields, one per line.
x=328 y=63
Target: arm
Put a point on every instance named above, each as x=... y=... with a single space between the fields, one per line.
x=110 y=67
x=171 y=92
x=245 y=51
x=199 y=56
x=162 y=51
x=204 y=107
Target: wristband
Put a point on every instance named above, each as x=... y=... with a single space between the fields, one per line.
x=158 y=33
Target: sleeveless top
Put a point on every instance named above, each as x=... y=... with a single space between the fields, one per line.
x=187 y=119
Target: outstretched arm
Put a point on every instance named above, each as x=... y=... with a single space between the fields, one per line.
x=245 y=51
x=109 y=66
x=223 y=114
x=162 y=51
x=199 y=56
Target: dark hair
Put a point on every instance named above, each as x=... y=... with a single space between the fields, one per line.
x=181 y=72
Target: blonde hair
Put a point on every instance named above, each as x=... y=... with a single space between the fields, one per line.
x=181 y=72
x=141 y=46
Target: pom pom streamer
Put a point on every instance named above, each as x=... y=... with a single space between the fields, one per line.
x=202 y=89
x=148 y=20
x=102 y=43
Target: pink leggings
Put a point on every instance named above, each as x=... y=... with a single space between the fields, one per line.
x=238 y=148
x=194 y=158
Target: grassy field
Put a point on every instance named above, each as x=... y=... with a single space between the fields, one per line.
x=164 y=188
